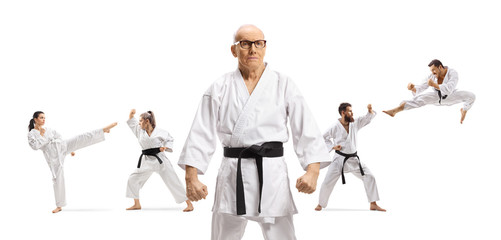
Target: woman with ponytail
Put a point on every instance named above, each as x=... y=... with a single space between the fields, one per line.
x=55 y=150
x=154 y=142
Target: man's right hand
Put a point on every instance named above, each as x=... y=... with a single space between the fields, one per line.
x=132 y=113
x=338 y=147
x=195 y=190
x=411 y=87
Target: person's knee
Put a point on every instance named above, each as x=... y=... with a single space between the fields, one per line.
x=369 y=176
x=472 y=97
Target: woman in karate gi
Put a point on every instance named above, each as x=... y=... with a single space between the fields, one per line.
x=443 y=81
x=154 y=142
x=55 y=150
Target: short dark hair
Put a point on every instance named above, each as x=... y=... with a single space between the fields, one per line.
x=436 y=63
x=343 y=106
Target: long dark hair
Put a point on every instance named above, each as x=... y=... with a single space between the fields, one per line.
x=32 y=121
x=150 y=116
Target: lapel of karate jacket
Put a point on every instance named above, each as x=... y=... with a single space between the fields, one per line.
x=251 y=104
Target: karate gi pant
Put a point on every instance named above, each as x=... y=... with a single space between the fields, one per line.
x=139 y=177
x=232 y=227
x=467 y=98
x=73 y=144
x=334 y=172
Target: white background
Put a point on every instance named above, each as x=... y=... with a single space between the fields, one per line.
x=87 y=63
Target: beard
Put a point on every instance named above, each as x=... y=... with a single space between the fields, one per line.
x=348 y=119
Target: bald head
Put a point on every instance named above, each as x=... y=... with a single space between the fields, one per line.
x=247 y=29
x=251 y=49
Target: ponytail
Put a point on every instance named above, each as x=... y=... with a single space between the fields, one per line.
x=32 y=121
x=149 y=116
x=32 y=125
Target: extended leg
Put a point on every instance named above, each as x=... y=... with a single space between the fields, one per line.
x=418 y=101
x=174 y=184
x=84 y=140
x=136 y=181
x=370 y=187
x=331 y=177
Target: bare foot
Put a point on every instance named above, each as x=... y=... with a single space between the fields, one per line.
x=463 y=115
x=58 y=209
x=391 y=112
x=134 y=207
x=107 y=128
x=318 y=208
x=396 y=110
x=375 y=207
x=188 y=208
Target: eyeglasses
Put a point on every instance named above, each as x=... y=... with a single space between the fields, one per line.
x=246 y=44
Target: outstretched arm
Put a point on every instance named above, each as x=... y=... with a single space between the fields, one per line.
x=133 y=123
x=411 y=87
x=417 y=89
x=364 y=120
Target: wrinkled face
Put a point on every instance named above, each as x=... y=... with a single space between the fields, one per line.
x=348 y=115
x=253 y=57
x=40 y=120
x=143 y=123
x=436 y=71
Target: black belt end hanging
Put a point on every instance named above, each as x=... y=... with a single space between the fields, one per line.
x=346 y=157
x=268 y=149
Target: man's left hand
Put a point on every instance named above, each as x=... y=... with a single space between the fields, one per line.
x=431 y=83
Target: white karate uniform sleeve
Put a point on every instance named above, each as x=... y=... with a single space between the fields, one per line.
x=448 y=87
x=330 y=141
x=306 y=137
x=167 y=141
x=202 y=139
x=421 y=87
x=36 y=140
x=134 y=126
x=364 y=120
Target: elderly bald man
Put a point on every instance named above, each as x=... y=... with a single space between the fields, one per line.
x=248 y=109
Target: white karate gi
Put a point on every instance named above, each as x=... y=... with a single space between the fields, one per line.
x=337 y=135
x=55 y=150
x=241 y=120
x=150 y=164
x=448 y=87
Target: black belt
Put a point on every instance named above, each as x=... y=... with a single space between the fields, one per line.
x=346 y=156
x=268 y=149
x=440 y=97
x=149 y=152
